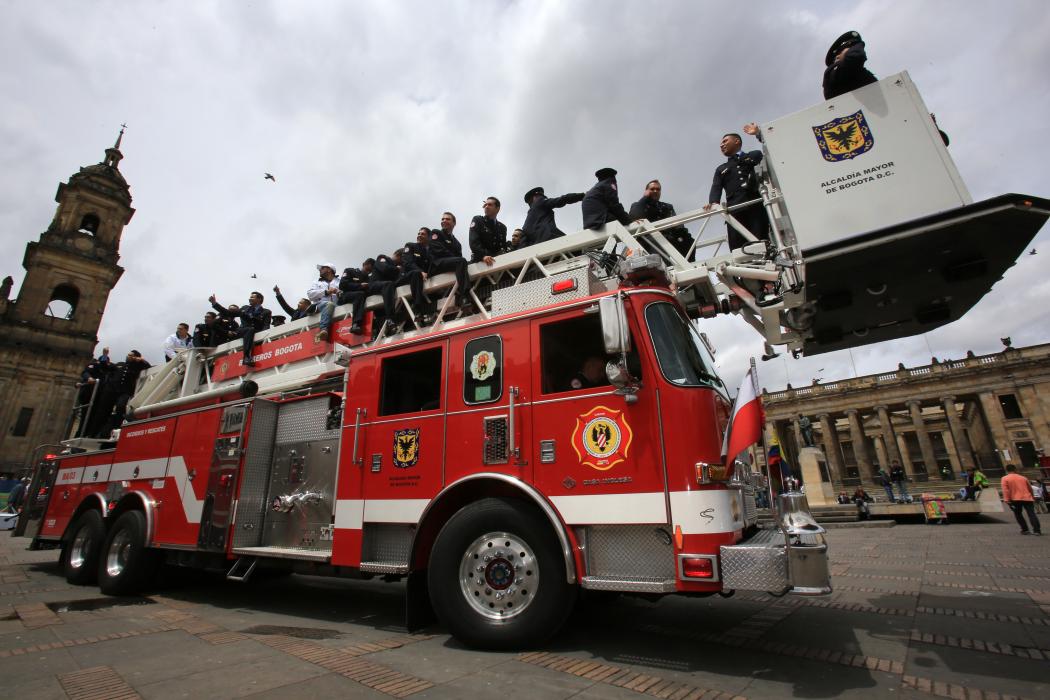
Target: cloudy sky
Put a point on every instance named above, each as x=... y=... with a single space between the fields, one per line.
x=377 y=116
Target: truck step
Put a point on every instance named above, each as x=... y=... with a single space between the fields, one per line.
x=242 y=569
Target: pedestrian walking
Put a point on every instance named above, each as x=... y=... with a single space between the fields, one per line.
x=1018 y=495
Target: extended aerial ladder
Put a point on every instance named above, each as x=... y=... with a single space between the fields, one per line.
x=874 y=236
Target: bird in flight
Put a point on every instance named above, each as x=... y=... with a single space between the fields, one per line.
x=254 y=276
x=268 y=176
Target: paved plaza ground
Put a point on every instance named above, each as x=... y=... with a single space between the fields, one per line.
x=960 y=611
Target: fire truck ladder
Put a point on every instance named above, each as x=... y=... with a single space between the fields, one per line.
x=720 y=283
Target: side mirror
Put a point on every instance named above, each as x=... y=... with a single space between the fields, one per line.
x=615 y=335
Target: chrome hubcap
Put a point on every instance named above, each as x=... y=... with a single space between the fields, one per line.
x=499 y=575
x=80 y=548
x=117 y=556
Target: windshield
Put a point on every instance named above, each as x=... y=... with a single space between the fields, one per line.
x=684 y=359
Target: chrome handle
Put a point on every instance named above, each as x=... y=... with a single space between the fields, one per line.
x=511 y=429
x=357 y=431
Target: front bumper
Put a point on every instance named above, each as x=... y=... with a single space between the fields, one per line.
x=792 y=559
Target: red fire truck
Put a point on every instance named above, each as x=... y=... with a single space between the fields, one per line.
x=567 y=434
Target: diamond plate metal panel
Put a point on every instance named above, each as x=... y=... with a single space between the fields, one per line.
x=757 y=565
x=750 y=508
x=304 y=421
x=529 y=295
x=633 y=552
x=255 y=480
x=386 y=544
x=495 y=440
x=306 y=471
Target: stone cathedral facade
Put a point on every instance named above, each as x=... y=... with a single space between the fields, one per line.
x=48 y=332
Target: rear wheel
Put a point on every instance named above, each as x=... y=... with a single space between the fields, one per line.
x=80 y=558
x=497 y=576
x=126 y=564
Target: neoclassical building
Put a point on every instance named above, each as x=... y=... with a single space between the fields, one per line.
x=49 y=331
x=937 y=420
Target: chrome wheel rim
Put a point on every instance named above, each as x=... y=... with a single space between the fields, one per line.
x=499 y=575
x=118 y=554
x=80 y=548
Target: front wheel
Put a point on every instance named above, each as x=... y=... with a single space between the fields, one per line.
x=127 y=564
x=497 y=576
x=80 y=558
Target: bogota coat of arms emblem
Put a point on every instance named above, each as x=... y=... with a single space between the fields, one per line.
x=844 y=138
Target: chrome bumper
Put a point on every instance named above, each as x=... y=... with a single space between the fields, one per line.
x=792 y=559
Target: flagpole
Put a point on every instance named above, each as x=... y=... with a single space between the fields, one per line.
x=765 y=446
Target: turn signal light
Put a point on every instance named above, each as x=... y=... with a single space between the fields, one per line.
x=700 y=567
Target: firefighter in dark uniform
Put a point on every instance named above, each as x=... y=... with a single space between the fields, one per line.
x=254 y=318
x=211 y=333
x=446 y=255
x=539 y=223
x=650 y=207
x=88 y=391
x=410 y=272
x=488 y=237
x=353 y=289
x=601 y=204
x=845 y=70
x=383 y=274
x=117 y=388
x=738 y=179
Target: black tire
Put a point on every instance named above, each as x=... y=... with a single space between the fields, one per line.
x=477 y=604
x=125 y=564
x=80 y=556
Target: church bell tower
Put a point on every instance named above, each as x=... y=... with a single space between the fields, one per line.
x=49 y=331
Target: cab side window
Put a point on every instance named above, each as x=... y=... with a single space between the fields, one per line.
x=410 y=382
x=483 y=370
x=572 y=356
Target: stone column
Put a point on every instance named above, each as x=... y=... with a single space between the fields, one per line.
x=889 y=437
x=797 y=432
x=832 y=450
x=1036 y=407
x=925 y=446
x=860 y=447
x=993 y=418
x=958 y=433
x=902 y=448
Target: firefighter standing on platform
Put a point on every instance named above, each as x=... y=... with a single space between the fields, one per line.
x=737 y=178
x=539 y=225
x=601 y=204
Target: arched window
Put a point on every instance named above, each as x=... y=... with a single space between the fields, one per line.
x=63 y=303
x=90 y=223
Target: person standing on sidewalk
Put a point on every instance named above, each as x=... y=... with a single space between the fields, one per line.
x=1018 y=495
x=900 y=478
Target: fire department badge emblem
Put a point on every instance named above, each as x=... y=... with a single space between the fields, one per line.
x=406 y=448
x=602 y=438
x=483 y=365
x=844 y=138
